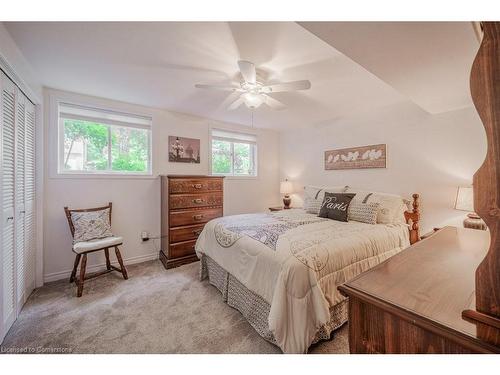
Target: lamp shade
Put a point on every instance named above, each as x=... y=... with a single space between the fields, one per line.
x=286 y=187
x=465 y=199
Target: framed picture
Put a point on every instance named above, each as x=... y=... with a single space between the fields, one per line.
x=374 y=156
x=183 y=150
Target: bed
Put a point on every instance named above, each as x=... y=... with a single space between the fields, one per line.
x=281 y=269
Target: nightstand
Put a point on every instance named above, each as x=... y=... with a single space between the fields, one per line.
x=273 y=209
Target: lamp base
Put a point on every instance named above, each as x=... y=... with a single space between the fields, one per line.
x=474 y=223
x=286 y=202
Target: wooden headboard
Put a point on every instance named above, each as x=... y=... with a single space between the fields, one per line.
x=412 y=218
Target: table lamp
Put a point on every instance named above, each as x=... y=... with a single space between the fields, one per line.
x=465 y=202
x=286 y=188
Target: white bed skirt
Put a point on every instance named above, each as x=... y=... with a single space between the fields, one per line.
x=254 y=308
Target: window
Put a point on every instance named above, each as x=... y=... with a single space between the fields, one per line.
x=234 y=154
x=95 y=141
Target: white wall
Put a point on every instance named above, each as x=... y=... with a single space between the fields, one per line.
x=136 y=201
x=427 y=154
x=11 y=53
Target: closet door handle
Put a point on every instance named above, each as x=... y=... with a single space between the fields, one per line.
x=10 y=218
x=23 y=211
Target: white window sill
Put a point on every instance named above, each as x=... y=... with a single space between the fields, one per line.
x=102 y=176
x=236 y=177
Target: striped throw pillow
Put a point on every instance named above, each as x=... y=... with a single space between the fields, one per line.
x=363 y=212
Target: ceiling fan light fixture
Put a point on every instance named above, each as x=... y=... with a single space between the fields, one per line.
x=252 y=100
x=254 y=89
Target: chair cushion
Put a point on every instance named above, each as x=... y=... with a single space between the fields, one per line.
x=85 y=246
x=91 y=225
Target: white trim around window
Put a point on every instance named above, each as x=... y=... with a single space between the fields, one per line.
x=233 y=137
x=78 y=107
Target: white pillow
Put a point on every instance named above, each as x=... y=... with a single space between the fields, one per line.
x=391 y=206
x=313 y=196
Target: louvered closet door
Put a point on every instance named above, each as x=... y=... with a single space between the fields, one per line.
x=7 y=186
x=29 y=200
x=19 y=203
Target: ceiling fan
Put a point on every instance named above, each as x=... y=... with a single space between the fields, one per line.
x=253 y=91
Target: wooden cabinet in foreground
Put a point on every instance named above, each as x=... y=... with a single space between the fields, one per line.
x=187 y=203
x=413 y=302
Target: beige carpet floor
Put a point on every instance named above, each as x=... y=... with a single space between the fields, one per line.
x=155 y=311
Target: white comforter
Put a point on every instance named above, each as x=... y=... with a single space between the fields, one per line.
x=295 y=261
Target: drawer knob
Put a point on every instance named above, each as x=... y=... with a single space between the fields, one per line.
x=197 y=232
x=198 y=200
x=198 y=217
x=197 y=186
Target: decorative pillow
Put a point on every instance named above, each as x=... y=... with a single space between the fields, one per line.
x=91 y=225
x=313 y=196
x=335 y=206
x=363 y=212
x=390 y=209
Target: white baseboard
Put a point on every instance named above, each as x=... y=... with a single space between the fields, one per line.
x=98 y=267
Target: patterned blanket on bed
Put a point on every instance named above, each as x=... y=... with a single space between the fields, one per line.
x=295 y=261
x=265 y=228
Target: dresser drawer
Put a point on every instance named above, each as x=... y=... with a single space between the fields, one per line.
x=193 y=216
x=185 y=233
x=179 y=185
x=181 y=249
x=195 y=200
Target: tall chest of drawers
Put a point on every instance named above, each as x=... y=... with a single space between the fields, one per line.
x=187 y=203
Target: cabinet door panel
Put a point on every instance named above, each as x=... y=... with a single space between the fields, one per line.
x=7 y=195
x=19 y=194
x=29 y=201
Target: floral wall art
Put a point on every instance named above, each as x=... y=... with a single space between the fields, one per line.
x=374 y=156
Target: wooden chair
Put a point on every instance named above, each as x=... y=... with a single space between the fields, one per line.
x=81 y=249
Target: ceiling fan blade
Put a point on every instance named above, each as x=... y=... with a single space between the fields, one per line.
x=215 y=87
x=231 y=97
x=235 y=104
x=273 y=103
x=287 y=86
x=247 y=70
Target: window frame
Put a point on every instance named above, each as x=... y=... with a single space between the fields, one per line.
x=254 y=150
x=61 y=171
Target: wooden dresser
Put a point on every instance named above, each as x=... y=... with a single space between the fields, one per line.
x=413 y=302
x=187 y=203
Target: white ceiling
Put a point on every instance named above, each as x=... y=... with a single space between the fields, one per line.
x=157 y=65
x=429 y=62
